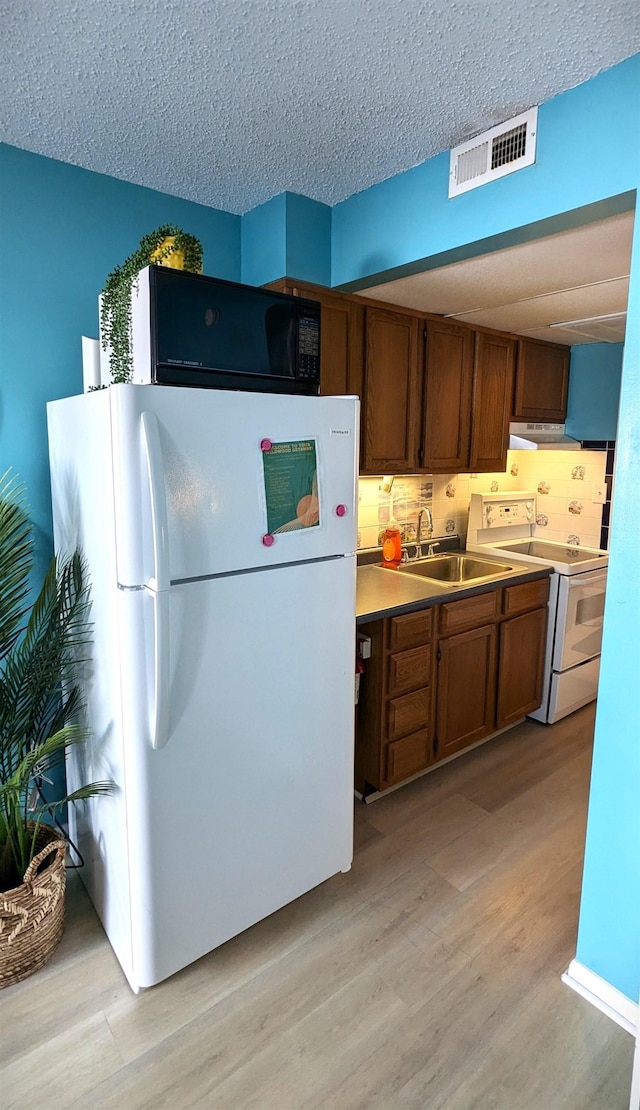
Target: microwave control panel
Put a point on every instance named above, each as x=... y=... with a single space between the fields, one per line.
x=309 y=347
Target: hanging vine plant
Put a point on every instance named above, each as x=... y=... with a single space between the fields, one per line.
x=166 y=246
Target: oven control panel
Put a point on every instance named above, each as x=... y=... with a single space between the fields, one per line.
x=501 y=516
x=505 y=513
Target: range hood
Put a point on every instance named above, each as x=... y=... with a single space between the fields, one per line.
x=537 y=437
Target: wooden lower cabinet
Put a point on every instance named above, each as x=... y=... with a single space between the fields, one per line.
x=520 y=667
x=442 y=678
x=395 y=715
x=407 y=756
x=465 y=689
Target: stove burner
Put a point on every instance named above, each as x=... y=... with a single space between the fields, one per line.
x=552 y=552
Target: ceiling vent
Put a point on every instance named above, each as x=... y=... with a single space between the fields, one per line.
x=501 y=150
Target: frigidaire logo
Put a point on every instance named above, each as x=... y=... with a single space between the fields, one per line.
x=339 y=431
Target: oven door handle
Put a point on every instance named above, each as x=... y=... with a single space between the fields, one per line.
x=587 y=578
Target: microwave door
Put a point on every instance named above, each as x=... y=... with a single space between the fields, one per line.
x=208 y=332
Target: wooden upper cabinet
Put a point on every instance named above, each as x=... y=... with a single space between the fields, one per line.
x=494 y=369
x=448 y=386
x=468 y=392
x=542 y=381
x=341 y=339
x=391 y=414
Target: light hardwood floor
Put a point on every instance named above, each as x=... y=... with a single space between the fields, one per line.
x=428 y=977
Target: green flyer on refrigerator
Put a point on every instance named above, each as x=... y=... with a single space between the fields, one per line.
x=291 y=486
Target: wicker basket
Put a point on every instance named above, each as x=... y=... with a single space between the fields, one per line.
x=32 y=915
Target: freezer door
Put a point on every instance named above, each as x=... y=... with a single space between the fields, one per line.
x=249 y=803
x=214 y=481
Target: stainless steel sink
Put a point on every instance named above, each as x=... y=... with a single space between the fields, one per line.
x=455 y=570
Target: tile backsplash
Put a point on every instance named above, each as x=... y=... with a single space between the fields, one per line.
x=564 y=483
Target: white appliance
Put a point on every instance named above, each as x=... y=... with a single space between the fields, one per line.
x=505 y=523
x=538 y=436
x=220 y=687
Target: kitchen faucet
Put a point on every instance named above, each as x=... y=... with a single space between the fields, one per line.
x=422 y=512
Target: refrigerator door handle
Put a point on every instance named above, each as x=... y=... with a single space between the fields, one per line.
x=159 y=584
x=159 y=519
x=161 y=660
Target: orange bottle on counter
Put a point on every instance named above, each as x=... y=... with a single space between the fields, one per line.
x=391 y=547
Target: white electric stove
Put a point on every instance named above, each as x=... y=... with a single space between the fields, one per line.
x=505 y=524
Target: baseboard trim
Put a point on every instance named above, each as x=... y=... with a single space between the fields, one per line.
x=602 y=995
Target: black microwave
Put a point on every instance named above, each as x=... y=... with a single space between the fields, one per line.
x=188 y=329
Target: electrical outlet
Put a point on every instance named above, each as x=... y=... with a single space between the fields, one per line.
x=599 y=495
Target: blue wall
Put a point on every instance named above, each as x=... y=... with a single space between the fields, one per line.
x=587 y=152
x=609 y=931
x=594 y=390
x=63 y=230
x=288 y=236
x=308 y=240
x=264 y=242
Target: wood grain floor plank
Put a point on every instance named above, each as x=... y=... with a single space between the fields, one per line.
x=428 y=977
x=204 y=1051
x=511 y=893
x=554 y=1054
x=436 y=823
x=64 y=1068
x=515 y=827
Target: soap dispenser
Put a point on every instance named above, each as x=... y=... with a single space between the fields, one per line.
x=391 y=546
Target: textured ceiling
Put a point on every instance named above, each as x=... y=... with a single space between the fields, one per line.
x=230 y=102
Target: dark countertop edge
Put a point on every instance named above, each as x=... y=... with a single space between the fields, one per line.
x=454 y=595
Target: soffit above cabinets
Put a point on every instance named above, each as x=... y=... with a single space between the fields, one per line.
x=529 y=289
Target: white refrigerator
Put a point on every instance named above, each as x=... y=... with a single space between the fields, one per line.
x=219 y=529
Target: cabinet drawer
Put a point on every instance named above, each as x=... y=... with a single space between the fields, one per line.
x=410 y=629
x=407 y=756
x=526 y=595
x=408 y=713
x=471 y=612
x=408 y=670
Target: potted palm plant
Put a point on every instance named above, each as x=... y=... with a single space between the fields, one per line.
x=41 y=646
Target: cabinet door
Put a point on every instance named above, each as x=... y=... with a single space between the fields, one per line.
x=494 y=368
x=466 y=689
x=542 y=381
x=390 y=417
x=448 y=380
x=341 y=341
x=520 y=666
